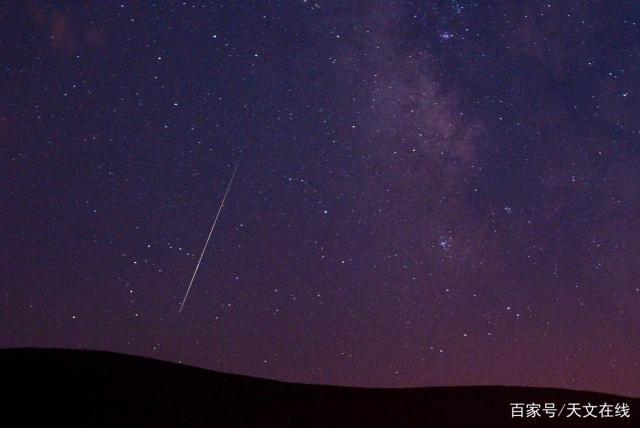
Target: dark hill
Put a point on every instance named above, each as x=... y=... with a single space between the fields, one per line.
x=60 y=388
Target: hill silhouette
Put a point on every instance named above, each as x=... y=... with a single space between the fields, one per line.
x=70 y=388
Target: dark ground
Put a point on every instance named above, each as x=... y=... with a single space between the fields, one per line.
x=51 y=388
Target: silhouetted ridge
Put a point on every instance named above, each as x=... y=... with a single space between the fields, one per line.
x=46 y=387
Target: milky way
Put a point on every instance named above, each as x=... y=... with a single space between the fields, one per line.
x=432 y=193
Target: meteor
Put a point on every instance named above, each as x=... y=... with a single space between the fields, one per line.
x=215 y=220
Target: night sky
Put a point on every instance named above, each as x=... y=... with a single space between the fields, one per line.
x=429 y=193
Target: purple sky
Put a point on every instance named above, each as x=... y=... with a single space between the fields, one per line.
x=430 y=193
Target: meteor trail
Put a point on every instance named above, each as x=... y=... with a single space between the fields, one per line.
x=209 y=237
